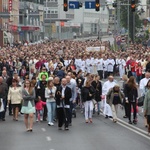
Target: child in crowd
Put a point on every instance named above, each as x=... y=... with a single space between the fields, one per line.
x=39 y=109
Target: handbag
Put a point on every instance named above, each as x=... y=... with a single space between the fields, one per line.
x=141 y=100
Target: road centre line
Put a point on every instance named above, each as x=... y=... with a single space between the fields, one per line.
x=43 y=129
x=132 y=126
x=48 y=138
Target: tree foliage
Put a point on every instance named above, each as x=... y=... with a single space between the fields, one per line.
x=124 y=18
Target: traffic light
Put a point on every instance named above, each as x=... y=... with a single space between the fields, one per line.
x=80 y=4
x=114 y=4
x=65 y=5
x=97 y=5
x=133 y=5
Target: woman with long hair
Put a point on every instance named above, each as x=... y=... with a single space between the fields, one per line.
x=147 y=106
x=50 y=101
x=87 y=94
x=28 y=106
x=131 y=94
x=98 y=91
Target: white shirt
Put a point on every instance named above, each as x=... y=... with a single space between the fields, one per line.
x=107 y=85
x=143 y=83
x=100 y=64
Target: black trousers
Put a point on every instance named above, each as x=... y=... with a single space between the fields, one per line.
x=63 y=116
x=45 y=113
x=126 y=107
x=105 y=74
x=100 y=73
x=109 y=73
x=130 y=105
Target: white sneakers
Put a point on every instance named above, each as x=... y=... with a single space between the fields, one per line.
x=50 y=123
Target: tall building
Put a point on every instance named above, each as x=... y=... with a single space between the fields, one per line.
x=31 y=25
x=9 y=19
x=55 y=17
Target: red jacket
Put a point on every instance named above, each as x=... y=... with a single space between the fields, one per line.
x=39 y=105
x=133 y=66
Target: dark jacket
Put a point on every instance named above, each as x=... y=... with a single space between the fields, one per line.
x=41 y=92
x=148 y=67
x=3 y=90
x=67 y=95
x=87 y=93
x=110 y=96
x=98 y=90
x=130 y=93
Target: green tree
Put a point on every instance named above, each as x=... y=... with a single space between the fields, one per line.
x=124 y=18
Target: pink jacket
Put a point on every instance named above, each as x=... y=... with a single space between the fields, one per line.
x=39 y=105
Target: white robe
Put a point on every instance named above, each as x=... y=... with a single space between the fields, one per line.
x=143 y=83
x=100 y=64
x=83 y=65
x=111 y=64
x=121 y=63
x=88 y=65
x=105 y=65
x=107 y=85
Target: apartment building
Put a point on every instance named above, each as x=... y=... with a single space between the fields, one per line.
x=9 y=20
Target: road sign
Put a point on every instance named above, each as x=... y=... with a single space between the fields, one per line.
x=89 y=4
x=73 y=5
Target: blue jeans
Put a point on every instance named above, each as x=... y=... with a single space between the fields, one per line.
x=99 y=106
x=51 y=109
x=134 y=74
x=39 y=112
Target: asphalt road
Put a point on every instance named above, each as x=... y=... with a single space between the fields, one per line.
x=102 y=134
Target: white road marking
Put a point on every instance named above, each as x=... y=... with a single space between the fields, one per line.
x=132 y=126
x=43 y=129
x=48 y=138
x=134 y=129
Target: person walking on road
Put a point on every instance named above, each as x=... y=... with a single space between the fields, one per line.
x=63 y=95
x=106 y=86
x=50 y=102
x=87 y=94
x=15 y=97
x=114 y=97
x=96 y=83
x=147 y=106
x=131 y=94
x=28 y=106
x=3 y=97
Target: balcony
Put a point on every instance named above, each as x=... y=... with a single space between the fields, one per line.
x=30 y=5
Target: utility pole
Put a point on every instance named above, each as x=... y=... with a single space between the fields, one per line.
x=128 y=22
x=133 y=27
x=118 y=16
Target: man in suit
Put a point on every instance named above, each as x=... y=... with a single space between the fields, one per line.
x=63 y=95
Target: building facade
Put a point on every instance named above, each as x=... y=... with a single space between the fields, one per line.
x=55 y=19
x=31 y=25
x=9 y=20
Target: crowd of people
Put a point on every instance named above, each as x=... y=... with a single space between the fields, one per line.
x=51 y=78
